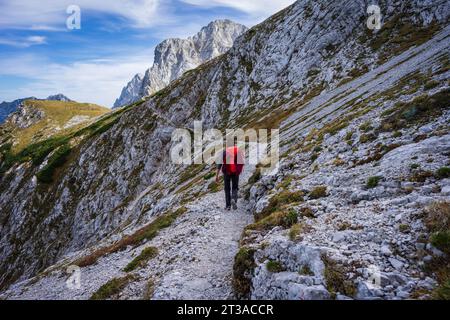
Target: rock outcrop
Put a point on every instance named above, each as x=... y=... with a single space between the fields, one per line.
x=174 y=57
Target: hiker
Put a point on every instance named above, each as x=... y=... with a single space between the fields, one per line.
x=231 y=166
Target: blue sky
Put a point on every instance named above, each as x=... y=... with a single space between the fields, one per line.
x=39 y=56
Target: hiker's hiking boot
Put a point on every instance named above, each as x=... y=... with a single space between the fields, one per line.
x=228 y=208
x=233 y=203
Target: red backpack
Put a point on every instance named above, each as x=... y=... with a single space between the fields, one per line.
x=233 y=161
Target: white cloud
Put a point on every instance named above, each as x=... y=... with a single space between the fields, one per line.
x=96 y=81
x=23 y=42
x=51 y=14
x=256 y=8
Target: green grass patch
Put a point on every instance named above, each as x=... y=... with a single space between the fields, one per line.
x=418 y=111
x=441 y=240
x=318 y=192
x=142 y=259
x=57 y=160
x=279 y=201
x=336 y=278
x=244 y=264
x=437 y=221
x=366 y=126
x=443 y=173
x=146 y=233
x=373 y=182
x=111 y=288
x=274 y=266
x=279 y=218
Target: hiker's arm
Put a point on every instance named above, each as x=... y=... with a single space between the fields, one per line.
x=219 y=167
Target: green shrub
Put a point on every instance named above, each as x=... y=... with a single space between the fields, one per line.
x=414 y=166
x=442 y=292
x=349 y=136
x=420 y=175
x=141 y=260
x=275 y=219
x=364 y=138
x=57 y=160
x=443 y=173
x=397 y=134
x=274 y=266
x=306 y=271
x=214 y=186
x=307 y=212
x=36 y=153
x=314 y=157
x=372 y=182
x=404 y=228
x=255 y=177
x=111 y=288
x=297 y=230
x=437 y=216
x=144 y=234
x=420 y=110
x=209 y=175
x=317 y=149
x=291 y=218
x=244 y=264
x=366 y=127
x=336 y=278
x=278 y=201
x=149 y=289
x=441 y=240
x=437 y=221
x=431 y=84
x=318 y=192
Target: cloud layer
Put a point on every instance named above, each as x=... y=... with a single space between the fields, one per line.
x=51 y=14
x=98 y=81
x=39 y=56
x=253 y=7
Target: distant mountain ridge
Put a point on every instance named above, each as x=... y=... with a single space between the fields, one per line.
x=6 y=108
x=173 y=57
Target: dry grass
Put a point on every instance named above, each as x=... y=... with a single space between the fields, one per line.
x=144 y=234
x=57 y=114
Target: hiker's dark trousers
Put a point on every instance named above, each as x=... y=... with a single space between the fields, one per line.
x=231 y=188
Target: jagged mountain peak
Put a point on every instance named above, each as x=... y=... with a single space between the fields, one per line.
x=175 y=56
x=58 y=97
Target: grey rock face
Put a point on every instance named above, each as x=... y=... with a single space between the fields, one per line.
x=59 y=97
x=173 y=57
x=6 y=108
x=122 y=178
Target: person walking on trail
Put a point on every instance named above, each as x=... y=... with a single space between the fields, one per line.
x=231 y=166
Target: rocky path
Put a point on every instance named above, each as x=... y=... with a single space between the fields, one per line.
x=207 y=239
x=202 y=245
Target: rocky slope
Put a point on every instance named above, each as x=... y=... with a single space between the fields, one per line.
x=6 y=108
x=173 y=57
x=36 y=120
x=364 y=129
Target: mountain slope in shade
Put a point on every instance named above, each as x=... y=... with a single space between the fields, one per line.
x=173 y=57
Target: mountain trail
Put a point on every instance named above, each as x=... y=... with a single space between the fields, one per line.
x=207 y=239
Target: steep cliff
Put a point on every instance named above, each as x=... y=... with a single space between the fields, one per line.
x=173 y=57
